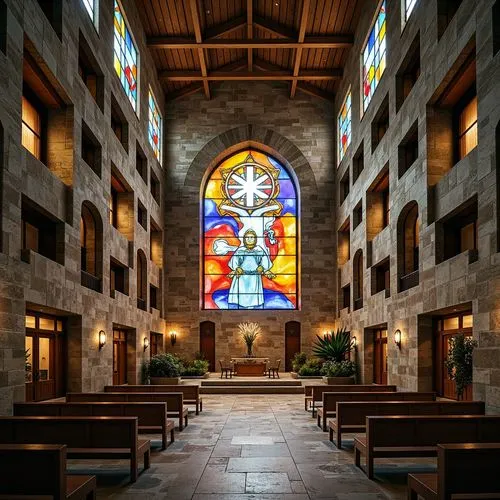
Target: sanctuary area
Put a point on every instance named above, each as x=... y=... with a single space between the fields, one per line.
x=250 y=249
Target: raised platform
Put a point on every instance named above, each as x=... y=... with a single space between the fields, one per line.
x=237 y=385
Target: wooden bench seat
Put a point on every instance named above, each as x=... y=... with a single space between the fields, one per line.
x=40 y=469
x=314 y=393
x=462 y=469
x=418 y=436
x=152 y=416
x=85 y=437
x=191 y=392
x=174 y=400
x=330 y=400
x=351 y=415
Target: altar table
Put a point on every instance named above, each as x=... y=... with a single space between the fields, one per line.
x=250 y=367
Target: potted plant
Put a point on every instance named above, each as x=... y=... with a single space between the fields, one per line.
x=197 y=368
x=311 y=368
x=459 y=362
x=164 y=369
x=334 y=348
x=249 y=333
x=298 y=361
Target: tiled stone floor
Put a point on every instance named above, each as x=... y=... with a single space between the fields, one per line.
x=253 y=447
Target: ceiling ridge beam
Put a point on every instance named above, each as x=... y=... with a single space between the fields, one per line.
x=300 y=39
x=250 y=32
x=339 y=41
x=201 y=52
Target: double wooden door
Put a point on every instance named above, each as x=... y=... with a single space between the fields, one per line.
x=292 y=342
x=380 y=357
x=44 y=357
x=119 y=357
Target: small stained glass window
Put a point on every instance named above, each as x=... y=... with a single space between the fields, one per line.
x=154 y=126
x=125 y=56
x=344 y=127
x=91 y=6
x=409 y=6
x=374 y=57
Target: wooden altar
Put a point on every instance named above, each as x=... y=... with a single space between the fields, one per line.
x=250 y=367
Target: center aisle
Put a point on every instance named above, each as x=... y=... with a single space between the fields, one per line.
x=253 y=447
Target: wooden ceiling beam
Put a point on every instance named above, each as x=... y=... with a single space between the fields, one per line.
x=201 y=53
x=275 y=28
x=250 y=32
x=276 y=75
x=315 y=91
x=225 y=28
x=312 y=42
x=298 y=52
x=184 y=91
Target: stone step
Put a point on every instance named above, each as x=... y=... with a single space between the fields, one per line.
x=255 y=383
x=245 y=389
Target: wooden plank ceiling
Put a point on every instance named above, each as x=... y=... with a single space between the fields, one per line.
x=197 y=42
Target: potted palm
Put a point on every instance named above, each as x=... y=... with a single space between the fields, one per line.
x=459 y=362
x=249 y=333
x=333 y=350
x=164 y=369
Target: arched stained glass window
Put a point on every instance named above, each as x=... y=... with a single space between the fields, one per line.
x=250 y=235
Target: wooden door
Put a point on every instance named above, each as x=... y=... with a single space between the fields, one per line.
x=380 y=357
x=44 y=365
x=207 y=343
x=292 y=342
x=448 y=327
x=119 y=357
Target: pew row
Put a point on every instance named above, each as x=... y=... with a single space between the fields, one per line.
x=191 y=392
x=467 y=469
x=314 y=393
x=85 y=437
x=418 y=436
x=152 y=417
x=351 y=415
x=330 y=400
x=40 y=469
x=174 y=400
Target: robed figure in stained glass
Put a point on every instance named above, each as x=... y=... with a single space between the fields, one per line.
x=246 y=203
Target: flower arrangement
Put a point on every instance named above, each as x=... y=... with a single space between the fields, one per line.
x=249 y=333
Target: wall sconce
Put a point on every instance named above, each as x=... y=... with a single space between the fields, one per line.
x=173 y=338
x=397 y=338
x=102 y=339
x=326 y=335
x=146 y=343
x=355 y=342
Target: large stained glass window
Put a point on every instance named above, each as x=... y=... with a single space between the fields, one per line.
x=125 y=56
x=374 y=57
x=250 y=241
x=344 y=126
x=154 y=126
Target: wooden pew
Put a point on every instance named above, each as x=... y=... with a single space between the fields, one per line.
x=85 y=437
x=462 y=469
x=315 y=394
x=191 y=392
x=330 y=400
x=351 y=415
x=40 y=469
x=418 y=436
x=174 y=400
x=152 y=416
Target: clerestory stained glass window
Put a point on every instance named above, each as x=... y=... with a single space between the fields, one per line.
x=91 y=8
x=125 y=56
x=154 y=126
x=409 y=5
x=374 y=57
x=250 y=235
x=344 y=127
